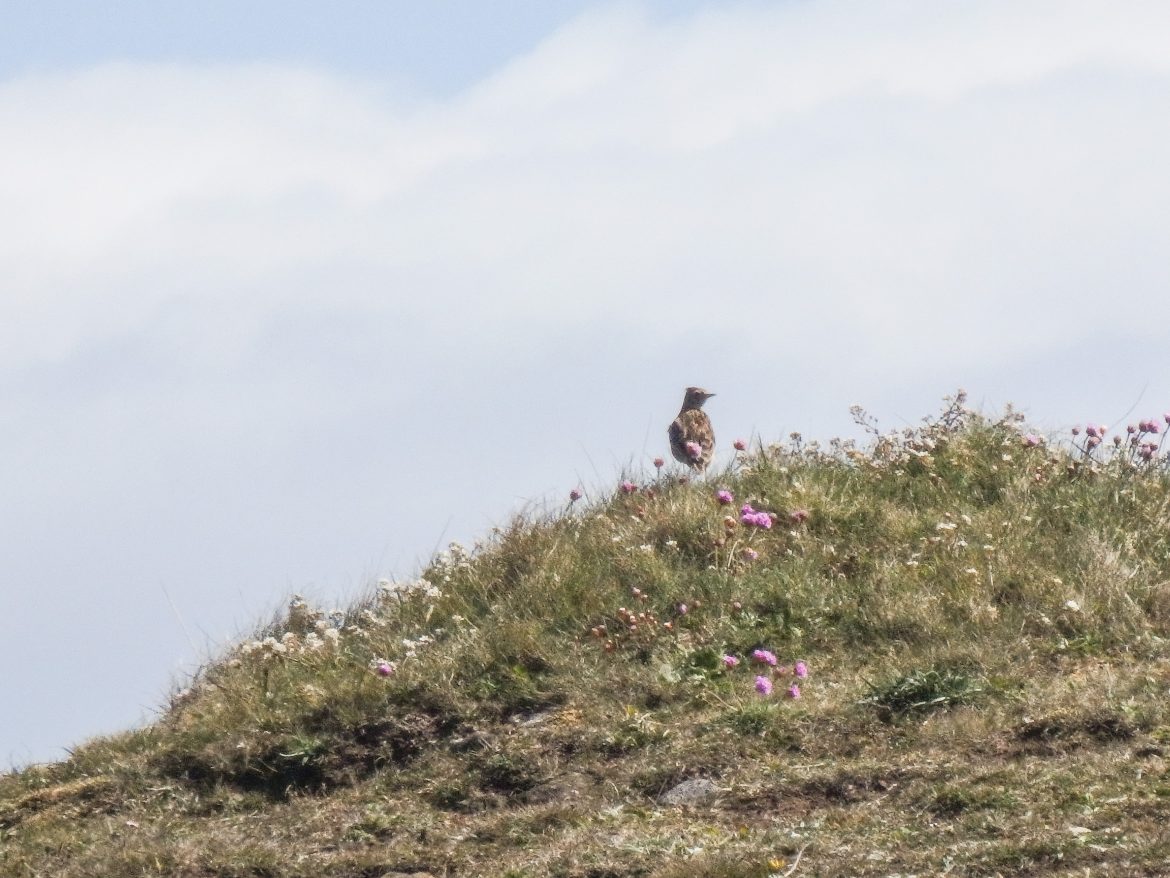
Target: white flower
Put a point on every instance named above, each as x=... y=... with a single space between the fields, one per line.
x=1072 y=605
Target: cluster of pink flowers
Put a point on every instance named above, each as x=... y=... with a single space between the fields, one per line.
x=1143 y=450
x=627 y=487
x=1093 y=434
x=694 y=450
x=724 y=496
x=751 y=516
x=767 y=659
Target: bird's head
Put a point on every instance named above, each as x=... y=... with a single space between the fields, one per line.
x=695 y=397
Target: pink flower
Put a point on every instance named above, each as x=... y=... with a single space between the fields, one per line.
x=628 y=487
x=798 y=516
x=740 y=445
x=1031 y=440
x=1091 y=431
x=682 y=609
x=384 y=669
x=764 y=656
x=748 y=515
x=694 y=450
x=1154 y=428
x=801 y=670
x=1131 y=429
x=1166 y=417
x=574 y=495
x=724 y=496
x=750 y=554
x=763 y=685
x=793 y=691
x=659 y=463
x=730 y=661
x=1076 y=431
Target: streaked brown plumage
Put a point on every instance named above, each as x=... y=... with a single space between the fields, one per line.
x=693 y=426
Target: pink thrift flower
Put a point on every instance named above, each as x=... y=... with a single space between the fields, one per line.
x=764 y=656
x=740 y=445
x=1154 y=428
x=659 y=463
x=793 y=691
x=1076 y=431
x=628 y=487
x=724 y=496
x=1091 y=431
x=1166 y=417
x=384 y=669
x=694 y=450
x=801 y=670
x=798 y=516
x=730 y=661
x=750 y=554
x=574 y=495
x=763 y=685
x=1131 y=429
x=1031 y=440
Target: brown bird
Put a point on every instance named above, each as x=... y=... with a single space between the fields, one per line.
x=692 y=441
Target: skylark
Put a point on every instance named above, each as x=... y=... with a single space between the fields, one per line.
x=692 y=441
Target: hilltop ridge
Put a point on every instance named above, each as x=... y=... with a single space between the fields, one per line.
x=944 y=651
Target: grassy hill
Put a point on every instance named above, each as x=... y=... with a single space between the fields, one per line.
x=979 y=616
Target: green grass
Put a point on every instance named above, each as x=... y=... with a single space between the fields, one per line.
x=984 y=620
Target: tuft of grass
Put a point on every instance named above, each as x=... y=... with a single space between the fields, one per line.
x=922 y=690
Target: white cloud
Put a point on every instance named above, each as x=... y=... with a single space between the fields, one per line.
x=862 y=163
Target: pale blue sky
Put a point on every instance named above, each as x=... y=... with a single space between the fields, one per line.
x=435 y=46
x=291 y=300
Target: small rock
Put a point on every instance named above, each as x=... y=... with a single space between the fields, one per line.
x=696 y=791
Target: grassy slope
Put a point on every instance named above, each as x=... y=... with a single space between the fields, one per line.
x=983 y=622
